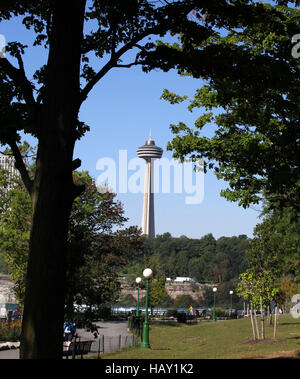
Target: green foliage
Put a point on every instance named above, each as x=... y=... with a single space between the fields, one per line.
x=258 y=288
x=158 y=293
x=10 y=332
x=95 y=250
x=184 y=301
x=205 y=259
x=276 y=243
x=250 y=102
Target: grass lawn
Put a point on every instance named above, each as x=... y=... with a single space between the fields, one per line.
x=222 y=339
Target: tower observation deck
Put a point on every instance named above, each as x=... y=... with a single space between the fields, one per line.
x=149 y=152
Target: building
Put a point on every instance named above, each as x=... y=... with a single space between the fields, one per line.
x=182 y=279
x=149 y=152
x=7 y=162
x=8 y=302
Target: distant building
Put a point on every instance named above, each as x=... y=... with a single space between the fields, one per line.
x=8 y=163
x=8 y=303
x=182 y=279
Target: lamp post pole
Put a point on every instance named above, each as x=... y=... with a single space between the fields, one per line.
x=230 y=293
x=145 y=341
x=214 y=311
x=138 y=281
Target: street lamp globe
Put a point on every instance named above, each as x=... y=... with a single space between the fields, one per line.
x=230 y=292
x=147 y=273
x=138 y=280
x=215 y=289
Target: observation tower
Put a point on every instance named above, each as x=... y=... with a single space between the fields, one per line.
x=149 y=152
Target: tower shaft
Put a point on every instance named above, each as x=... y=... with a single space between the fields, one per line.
x=148 y=227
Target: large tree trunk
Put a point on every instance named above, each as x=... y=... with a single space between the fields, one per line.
x=53 y=189
x=45 y=289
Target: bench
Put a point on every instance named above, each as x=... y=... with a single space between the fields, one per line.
x=81 y=348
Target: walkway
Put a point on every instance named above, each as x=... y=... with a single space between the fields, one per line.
x=111 y=330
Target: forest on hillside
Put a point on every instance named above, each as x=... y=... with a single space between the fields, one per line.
x=206 y=259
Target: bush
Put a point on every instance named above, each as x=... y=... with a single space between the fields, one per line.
x=10 y=332
x=181 y=317
x=220 y=312
x=171 y=313
x=104 y=312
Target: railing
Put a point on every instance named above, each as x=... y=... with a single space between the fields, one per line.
x=106 y=344
x=135 y=325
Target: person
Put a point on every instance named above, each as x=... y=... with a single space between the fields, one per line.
x=69 y=330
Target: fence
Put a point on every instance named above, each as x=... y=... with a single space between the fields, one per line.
x=135 y=325
x=107 y=344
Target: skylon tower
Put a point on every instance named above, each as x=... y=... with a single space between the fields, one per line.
x=149 y=152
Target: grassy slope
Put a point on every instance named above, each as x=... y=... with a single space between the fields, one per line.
x=223 y=339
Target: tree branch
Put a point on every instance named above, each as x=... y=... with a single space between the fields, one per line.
x=76 y=164
x=20 y=165
x=114 y=59
x=19 y=78
x=115 y=55
x=136 y=62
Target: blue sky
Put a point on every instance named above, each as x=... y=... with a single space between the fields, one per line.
x=120 y=111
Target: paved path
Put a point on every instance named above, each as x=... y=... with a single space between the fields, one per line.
x=111 y=330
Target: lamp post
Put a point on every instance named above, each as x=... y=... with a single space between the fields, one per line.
x=145 y=341
x=230 y=293
x=138 y=281
x=214 y=311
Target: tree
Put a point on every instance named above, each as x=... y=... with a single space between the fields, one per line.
x=251 y=102
x=47 y=107
x=95 y=251
x=246 y=289
x=158 y=293
x=184 y=301
x=98 y=247
x=277 y=241
x=15 y=221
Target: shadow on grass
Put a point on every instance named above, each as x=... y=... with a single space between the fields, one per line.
x=166 y=323
x=295 y=355
x=161 y=349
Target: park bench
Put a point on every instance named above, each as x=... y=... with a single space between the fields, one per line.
x=81 y=348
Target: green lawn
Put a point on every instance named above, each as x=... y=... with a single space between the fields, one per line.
x=222 y=339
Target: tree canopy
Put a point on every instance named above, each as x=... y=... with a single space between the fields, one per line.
x=205 y=259
x=249 y=102
x=98 y=245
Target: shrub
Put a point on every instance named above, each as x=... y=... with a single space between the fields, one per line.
x=10 y=332
x=181 y=317
x=171 y=313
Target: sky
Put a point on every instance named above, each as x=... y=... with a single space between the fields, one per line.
x=120 y=111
